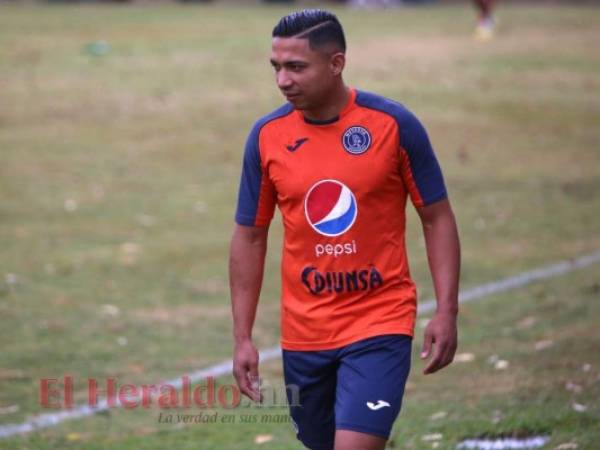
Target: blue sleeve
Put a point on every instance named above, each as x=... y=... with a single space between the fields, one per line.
x=256 y=201
x=249 y=189
x=423 y=164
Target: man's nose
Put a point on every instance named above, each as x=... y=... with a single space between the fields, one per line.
x=283 y=79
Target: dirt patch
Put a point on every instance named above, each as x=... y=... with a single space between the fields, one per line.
x=182 y=315
x=539 y=40
x=492 y=384
x=425 y=50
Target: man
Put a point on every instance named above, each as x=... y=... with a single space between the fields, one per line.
x=340 y=163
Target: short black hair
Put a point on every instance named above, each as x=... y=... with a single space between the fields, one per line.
x=320 y=27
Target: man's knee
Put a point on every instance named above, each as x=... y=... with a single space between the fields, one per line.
x=354 y=440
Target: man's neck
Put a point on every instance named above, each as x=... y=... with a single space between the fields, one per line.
x=332 y=108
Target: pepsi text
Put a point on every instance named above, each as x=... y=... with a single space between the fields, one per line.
x=336 y=250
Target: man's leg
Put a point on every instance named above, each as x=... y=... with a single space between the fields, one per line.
x=485 y=8
x=485 y=24
x=370 y=386
x=310 y=379
x=353 y=440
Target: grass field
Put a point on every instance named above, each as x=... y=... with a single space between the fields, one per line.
x=118 y=180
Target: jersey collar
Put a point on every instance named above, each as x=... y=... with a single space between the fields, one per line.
x=343 y=112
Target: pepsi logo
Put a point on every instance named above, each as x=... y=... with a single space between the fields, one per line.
x=330 y=207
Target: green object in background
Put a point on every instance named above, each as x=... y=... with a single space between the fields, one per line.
x=97 y=48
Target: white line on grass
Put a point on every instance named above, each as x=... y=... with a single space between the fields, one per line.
x=224 y=368
x=504 y=443
x=506 y=284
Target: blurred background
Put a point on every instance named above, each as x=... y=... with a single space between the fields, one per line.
x=122 y=127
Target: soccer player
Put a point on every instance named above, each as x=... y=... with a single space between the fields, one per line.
x=485 y=23
x=340 y=163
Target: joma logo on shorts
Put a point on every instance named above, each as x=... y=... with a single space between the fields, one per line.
x=380 y=404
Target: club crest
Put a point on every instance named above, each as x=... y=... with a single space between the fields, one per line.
x=356 y=140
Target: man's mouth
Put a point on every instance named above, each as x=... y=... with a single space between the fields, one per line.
x=291 y=95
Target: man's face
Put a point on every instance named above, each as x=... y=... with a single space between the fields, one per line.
x=303 y=75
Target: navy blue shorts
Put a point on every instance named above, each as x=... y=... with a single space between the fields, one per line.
x=358 y=387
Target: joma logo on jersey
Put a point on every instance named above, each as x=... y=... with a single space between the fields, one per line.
x=355 y=280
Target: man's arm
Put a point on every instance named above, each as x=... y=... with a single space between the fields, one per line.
x=246 y=264
x=443 y=254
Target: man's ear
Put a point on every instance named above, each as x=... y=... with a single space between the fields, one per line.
x=337 y=63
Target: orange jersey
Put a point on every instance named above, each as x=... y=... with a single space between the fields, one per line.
x=341 y=187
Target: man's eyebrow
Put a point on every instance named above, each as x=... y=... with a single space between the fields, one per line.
x=288 y=63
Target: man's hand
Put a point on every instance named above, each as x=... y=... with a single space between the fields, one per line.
x=245 y=370
x=441 y=331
